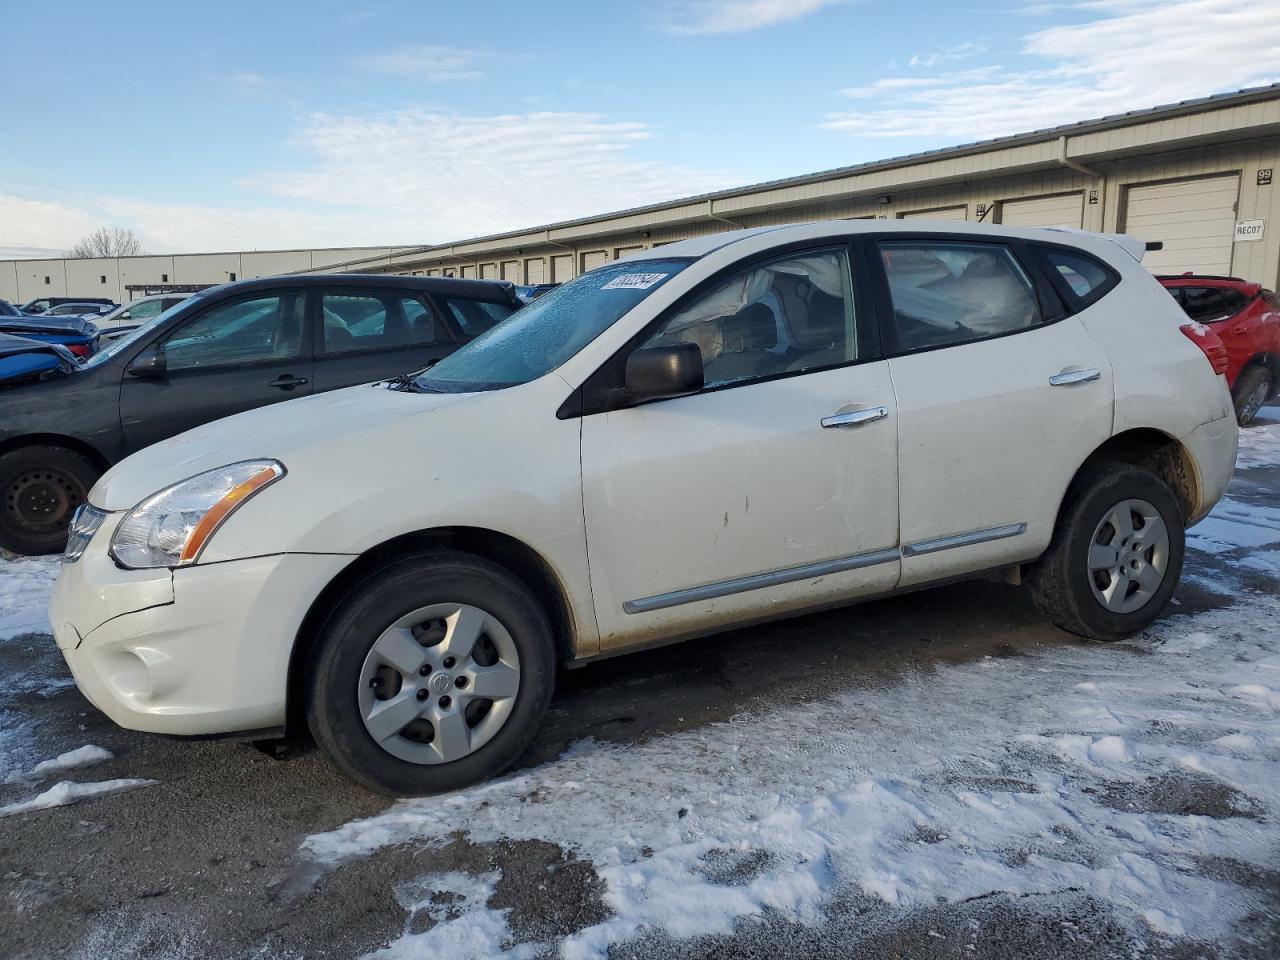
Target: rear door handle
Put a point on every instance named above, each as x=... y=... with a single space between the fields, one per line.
x=287 y=382
x=855 y=418
x=1068 y=377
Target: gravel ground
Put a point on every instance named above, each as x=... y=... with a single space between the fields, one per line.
x=225 y=851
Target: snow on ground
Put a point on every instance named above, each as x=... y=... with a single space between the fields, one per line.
x=25 y=585
x=1260 y=441
x=66 y=792
x=1118 y=771
x=80 y=757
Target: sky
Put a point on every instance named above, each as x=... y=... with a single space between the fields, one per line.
x=268 y=125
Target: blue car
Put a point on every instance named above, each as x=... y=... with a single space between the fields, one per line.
x=23 y=360
x=77 y=334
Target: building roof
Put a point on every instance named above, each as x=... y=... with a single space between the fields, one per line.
x=1164 y=111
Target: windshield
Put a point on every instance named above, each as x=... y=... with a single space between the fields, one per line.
x=543 y=335
x=115 y=347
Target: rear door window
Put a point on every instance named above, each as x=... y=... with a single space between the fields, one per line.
x=378 y=321
x=951 y=292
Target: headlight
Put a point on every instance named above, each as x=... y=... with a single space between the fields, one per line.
x=170 y=528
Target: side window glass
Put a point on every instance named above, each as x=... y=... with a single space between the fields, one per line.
x=1085 y=278
x=947 y=293
x=147 y=310
x=785 y=316
x=477 y=316
x=1205 y=304
x=247 y=331
x=377 y=322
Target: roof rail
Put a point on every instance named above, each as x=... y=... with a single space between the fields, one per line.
x=1192 y=275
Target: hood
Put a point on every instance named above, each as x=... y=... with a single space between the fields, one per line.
x=277 y=432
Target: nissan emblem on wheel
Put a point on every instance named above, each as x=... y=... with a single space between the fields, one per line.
x=715 y=432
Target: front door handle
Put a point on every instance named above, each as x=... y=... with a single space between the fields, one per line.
x=1068 y=377
x=855 y=418
x=287 y=382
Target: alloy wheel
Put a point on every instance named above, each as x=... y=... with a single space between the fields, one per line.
x=1128 y=556
x=439 y=683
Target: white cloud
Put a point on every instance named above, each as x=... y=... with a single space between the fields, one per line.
x=410 y=177
x=738 y=16
x=428 y=62
x=1129 y=55
x=958 y=52
x=248 y=81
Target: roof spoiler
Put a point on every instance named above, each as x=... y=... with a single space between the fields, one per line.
x=1131 y=245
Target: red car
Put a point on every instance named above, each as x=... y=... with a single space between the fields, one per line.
x=1247 y=320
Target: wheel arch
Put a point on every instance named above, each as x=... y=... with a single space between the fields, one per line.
x=517 y=557
x=1157 y=451
x=89 y=452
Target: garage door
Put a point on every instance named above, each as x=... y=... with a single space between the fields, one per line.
x=1061 y=211
x=561 y=268
x=534 y=270
x=621 y=252
x=593 y=259
x=469 y=272
x=1194 y=219
x=489 y=271
x=511 y=270
x=943 y=213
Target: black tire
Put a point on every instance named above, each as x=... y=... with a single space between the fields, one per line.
x=40 y=488
x=372 y=605
x=1060 y=580
x=1253 y=389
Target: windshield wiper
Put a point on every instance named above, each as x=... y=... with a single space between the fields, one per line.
x=408 y=381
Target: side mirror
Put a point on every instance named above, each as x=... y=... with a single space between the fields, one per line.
x=656 y=373
x=148 y=365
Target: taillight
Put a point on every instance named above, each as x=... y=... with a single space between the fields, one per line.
x=79 y=349
x=1208 y=341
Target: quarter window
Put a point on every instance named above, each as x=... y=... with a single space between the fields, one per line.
x=948 y=293
x=353 y=322
x=247 y=331
x=1085 y=278
x=785 y=316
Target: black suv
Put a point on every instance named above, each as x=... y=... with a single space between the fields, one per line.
x=222 y=351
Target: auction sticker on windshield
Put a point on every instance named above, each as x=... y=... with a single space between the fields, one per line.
x=635 y=281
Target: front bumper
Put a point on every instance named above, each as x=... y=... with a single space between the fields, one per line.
x=200 y=650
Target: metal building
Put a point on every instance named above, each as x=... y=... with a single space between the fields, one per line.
x=1195 y=176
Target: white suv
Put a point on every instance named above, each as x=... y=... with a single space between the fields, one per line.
x=715 y=432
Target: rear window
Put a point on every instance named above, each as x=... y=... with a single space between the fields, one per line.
x=1079 y=278
x=1207 y=304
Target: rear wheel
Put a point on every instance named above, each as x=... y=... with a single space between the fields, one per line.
x=433 y=673
x=41 y=488
x=1252 y=389
x=1115 y=557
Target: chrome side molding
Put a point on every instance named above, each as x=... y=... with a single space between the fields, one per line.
x=725 y=588
x=963 y=539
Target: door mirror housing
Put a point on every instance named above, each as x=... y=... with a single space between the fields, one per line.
x=149 y=365
x=656 y=373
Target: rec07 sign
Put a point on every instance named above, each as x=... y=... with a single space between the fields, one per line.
x=1249 y=230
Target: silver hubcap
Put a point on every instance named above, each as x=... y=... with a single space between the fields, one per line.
x=439 y=683
x=1128 y=556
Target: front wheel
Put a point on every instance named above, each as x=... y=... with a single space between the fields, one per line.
x=40 y=488
x=1115 y=557
x=432 y=674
